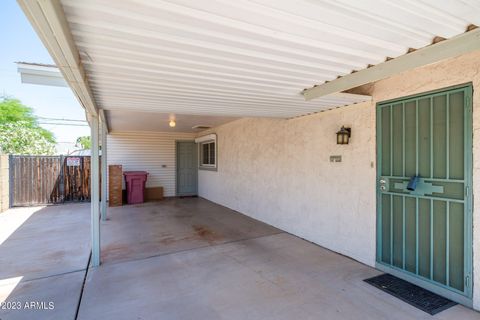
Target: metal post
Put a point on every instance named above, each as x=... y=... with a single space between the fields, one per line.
x=11 y=186
x=95 y=193
x=62 y=178
x=104 y=172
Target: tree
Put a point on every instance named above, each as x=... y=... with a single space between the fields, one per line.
x=20 y=132
x=12 y=110
x=84 y=142
x=19 y=138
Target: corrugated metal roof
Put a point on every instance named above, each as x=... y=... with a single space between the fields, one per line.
x=242 y=57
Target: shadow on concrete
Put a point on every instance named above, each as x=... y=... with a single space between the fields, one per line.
x=43 y=260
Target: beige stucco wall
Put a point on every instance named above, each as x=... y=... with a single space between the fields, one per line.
x=4 y=183
x=278 y=171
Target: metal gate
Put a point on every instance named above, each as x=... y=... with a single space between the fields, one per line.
x=36 y=180
x=424 y=231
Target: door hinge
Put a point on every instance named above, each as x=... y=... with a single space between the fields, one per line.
x=467 y=190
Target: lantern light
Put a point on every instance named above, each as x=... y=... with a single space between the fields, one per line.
x=343 y=136
x=172 y=124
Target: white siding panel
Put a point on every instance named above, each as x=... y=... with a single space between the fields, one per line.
x=147 y=151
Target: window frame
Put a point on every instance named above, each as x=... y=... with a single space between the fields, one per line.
x=211 y=141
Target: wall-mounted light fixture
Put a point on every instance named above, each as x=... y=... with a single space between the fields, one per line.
x=343 y=136
x=172 y=123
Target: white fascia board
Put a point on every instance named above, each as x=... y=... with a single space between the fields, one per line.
x=38 y=68
x=42 y=75
x=208 y=137
x=458 y=45
x=43 y=80
x=48 y=20
x=351 y=96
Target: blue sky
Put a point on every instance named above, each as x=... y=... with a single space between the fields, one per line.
x=20 y=43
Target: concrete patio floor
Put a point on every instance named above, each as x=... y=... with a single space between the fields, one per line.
x=44 y=254
x=150 y=229
x=186 y=259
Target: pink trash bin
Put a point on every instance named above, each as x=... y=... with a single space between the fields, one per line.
x=135 y=183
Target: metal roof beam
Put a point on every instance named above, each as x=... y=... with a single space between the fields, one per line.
x=461 y=44
x=103 y=119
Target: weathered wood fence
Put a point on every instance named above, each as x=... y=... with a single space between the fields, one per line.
x=36 y=180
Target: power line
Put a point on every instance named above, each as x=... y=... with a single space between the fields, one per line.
x=59 y=119
x=65 y=124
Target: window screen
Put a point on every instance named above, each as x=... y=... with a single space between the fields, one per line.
x=208 y=154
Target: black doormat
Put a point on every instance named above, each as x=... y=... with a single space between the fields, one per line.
x=418 y=297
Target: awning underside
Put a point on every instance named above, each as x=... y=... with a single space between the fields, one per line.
x=245 y=58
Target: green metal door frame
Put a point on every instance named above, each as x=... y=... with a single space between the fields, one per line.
x=461 y=297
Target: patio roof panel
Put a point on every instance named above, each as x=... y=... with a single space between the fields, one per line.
x=245 y=58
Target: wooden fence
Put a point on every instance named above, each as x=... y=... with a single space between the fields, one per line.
x=36 y=180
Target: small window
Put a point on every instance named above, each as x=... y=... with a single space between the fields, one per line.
x=208 y=159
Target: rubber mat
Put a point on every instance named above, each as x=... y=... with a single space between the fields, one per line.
x=412 y=294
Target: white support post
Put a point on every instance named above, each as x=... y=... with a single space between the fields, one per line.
x=104 y=171
x=95 y=192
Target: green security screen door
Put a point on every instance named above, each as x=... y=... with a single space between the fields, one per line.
x=187 y=164
x=424 y=230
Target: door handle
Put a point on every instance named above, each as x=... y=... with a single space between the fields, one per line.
x=412 y=184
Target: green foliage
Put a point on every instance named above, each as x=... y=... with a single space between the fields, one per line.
x=84 y=142
x=19 y=138
x=20 y=132
x=12 y=110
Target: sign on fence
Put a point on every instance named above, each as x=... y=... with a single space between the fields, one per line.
x=73 y=161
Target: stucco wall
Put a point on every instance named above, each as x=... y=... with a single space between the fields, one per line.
x=153 y=152
x=4 y=183
x=278 y=171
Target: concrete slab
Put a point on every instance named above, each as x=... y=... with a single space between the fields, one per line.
x=42 y=241
x=182 y=259
x=172 y=225
x=54 y=297
x=271 y=277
